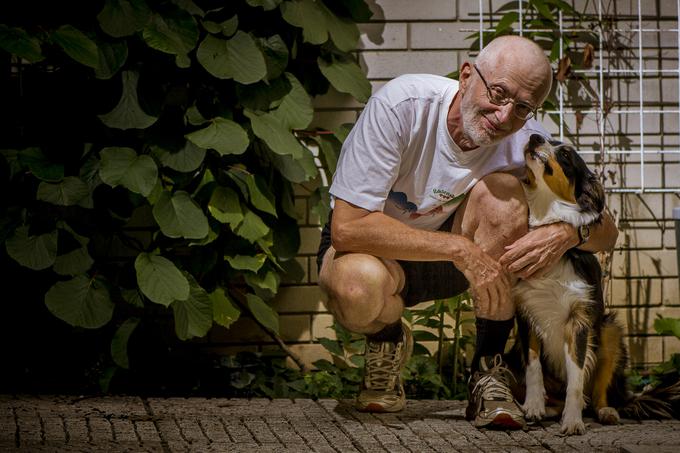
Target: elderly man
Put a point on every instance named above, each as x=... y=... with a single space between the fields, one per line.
x=426 y=204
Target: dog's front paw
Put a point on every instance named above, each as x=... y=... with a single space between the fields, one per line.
x=608 y=416
x=534 y=409
x=570 y=426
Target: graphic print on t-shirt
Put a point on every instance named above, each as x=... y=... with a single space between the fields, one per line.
x=400 y=199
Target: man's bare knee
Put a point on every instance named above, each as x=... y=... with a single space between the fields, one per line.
x=359 y=289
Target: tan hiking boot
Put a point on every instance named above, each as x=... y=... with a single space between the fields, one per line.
x=491 y=402
x=382 y=389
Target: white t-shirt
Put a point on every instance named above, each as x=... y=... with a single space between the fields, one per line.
x=400 y=158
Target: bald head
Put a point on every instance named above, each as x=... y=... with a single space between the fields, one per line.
x=518 y=54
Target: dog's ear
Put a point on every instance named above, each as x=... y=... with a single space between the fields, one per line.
x=590 y=194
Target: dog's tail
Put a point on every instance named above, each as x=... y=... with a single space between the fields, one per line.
x=662 y=401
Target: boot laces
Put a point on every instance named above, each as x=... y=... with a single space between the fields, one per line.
x=494 y=384
x=382 y=365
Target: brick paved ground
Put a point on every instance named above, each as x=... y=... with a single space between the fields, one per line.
x=117 y=424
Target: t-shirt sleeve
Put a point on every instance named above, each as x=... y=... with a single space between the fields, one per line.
x=370 y=158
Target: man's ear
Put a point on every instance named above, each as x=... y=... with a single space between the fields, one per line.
x=464 y=76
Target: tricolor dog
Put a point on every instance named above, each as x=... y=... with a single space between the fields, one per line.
x=565 y=334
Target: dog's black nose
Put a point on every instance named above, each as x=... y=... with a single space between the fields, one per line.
x=536 y=140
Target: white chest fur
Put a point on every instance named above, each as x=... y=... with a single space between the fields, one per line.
x=547 y=303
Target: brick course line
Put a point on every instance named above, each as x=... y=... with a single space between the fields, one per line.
x=150 y=413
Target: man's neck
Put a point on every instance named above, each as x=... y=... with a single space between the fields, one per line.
x=454 y=123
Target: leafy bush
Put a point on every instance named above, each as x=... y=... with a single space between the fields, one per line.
x=150 y=148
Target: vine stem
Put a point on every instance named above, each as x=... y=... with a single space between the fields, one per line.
x=239 y=296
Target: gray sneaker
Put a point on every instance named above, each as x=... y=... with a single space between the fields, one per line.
x=382 y=389
x=491 y=402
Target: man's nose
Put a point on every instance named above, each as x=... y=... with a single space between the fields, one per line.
x=504 y=113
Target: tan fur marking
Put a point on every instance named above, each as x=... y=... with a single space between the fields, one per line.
x=534 y=346
x=607 y=358
x=559 y=183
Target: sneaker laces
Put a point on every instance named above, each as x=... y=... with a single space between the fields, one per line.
x=382 y=365
x=495 y=382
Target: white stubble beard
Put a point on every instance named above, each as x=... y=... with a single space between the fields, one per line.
x=472 y=126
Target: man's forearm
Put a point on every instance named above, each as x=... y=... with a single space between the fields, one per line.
x=380 y=235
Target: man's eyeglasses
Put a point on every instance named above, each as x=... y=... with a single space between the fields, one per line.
x=498 y=96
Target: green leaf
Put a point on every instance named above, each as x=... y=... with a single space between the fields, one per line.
x=263 y=312
x=121 y=18
x=542 y=8
x=296 y=170
x=178 y=215
x=222 y=135
x=187 y=159
x=182 y=61
x=667 y=326
x=295 y=110
x=128 y=114
x=344 y=32
x=276 y=55
x=112 y=57
x=266 y=5
x=424 y=335
x=506 y=21
x=77 y=45
x=194 y=117
x=263 y=95
x=160 y=280
x=34 y=252
x=81 y=302
x=252 y=227
x=347 y=77
x=16 y=41
x=255 y=189
x=190 y=7
x=330 y=148
x=193 y=316
x=133 y=297
x=343 y=131
x=122 y=166
x=40 y=166
x=308 y=15
x=224 y=310
x=73 y=263
x=227 y=28
x=174 y=32
x=286 y=238
x=238 y=58
x=246 y=262
x=268 y=280
x=275 y=134
x=332 y=346
x=70 y=191
x=359 y=10
x=225 y=206
x=119 y=342
x=320 y=204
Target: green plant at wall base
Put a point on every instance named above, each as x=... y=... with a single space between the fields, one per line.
x=666 y=372
x=190 y=115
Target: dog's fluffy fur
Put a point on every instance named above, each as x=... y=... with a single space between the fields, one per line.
x=565 y=336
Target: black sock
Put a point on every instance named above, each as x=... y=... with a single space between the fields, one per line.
x=391 y=332
x=491 y=338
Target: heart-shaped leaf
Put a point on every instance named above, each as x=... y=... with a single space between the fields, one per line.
x=295 y=109
x=81 y=302
x=70 y=191
x=222 y=135
x=112 y=57
x=121 y=18
x=275 y=134
x=347 y=77
x=246 y=262
x=128 y=114
x=225 y=206
x=34 y=252
x=77 y=45
x=40 y=166
x=263 y=312
x=160 y=280
x=187 y=159
x=224 y=310
x=122 y=166
x=174 y=32
x=179 y=215
x=193 y=316
x=238 y=58
x=73 y=263
x=252 y=227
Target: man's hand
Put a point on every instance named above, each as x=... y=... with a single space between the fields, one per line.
x=489 y=284
x=535 y=253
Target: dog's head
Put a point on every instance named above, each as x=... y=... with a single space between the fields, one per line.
x=557 y=167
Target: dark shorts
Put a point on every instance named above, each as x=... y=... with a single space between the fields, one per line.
x=425 y=280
